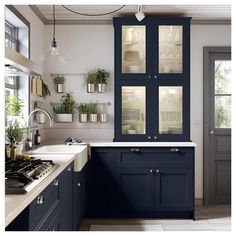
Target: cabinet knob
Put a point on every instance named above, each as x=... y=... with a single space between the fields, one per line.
x=155 y=137
x=149 y=77
x=79 y=184
x=155 y=76
x=55 y=182
x=69 y=168
x=40 y=200
x=151 y=171
x=212 y=132
x=174 y=150
x=134 y=150
x=157 y=171
x=149 y=137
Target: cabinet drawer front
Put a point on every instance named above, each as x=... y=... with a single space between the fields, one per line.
x=42 y=204
x=171 y=156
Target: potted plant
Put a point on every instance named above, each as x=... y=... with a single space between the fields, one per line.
x=14 y=106
x=92 y=109
x=83 y=110
x=91 y=81
x=101 y=80
x=14 y=135
x=65 y=109
x=59 y=81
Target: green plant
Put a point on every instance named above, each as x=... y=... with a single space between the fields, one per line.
x=83 y=108
x=45 y=90
x=92 y=108
x=102 y=76
x=14 y=106
x=91 y=77
x=14 y=132
x=66 y=105
x=59 y=80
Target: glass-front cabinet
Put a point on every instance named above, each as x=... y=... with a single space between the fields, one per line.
x=152 y=79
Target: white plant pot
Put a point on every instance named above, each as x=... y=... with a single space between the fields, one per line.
x=64 y=118
x=83 y=118
x=60 y=88
x=102 y=88
x=19 y=148
x=93 y=118
x=90 y=88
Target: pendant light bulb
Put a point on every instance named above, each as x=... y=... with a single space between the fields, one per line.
x=139 y=14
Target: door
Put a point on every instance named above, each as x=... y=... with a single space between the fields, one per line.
x=217 y=125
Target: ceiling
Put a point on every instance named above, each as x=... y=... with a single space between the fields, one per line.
x=204 y=14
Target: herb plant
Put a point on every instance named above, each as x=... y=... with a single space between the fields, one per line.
x=14 y=132
x=91 y=77
x=14 y=106
x=102 y=76
x=83 y=108
x=66 y=105
x=59 y=80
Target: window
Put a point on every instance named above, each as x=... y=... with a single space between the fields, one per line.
x=11 y=36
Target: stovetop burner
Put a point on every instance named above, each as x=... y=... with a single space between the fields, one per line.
x=22 y=176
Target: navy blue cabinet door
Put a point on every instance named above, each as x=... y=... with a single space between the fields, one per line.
x=66 y=184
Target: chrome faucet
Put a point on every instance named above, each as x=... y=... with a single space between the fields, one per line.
x=29 y=143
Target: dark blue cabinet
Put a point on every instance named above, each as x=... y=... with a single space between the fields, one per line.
x=152 y=79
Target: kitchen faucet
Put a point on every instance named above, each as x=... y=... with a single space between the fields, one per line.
x=28 y=144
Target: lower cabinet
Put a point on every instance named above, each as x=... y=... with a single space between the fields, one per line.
x=141 y=182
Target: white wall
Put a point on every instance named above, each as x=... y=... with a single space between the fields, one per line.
x=201 y=36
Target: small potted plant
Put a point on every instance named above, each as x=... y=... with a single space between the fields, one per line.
x=59 y=81
x=14 y=106
x=83 y=112
x=101 y=80
x=14 y=135
x=65 y=109
x=93 y=116
x=91 y=81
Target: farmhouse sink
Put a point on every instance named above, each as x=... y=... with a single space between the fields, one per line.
x=80 y=151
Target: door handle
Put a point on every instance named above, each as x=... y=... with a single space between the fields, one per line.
x=134 y=150
x=174 y=150
x=211 y=132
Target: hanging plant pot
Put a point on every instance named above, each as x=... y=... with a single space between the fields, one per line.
x=60 y=88
x=83 y=118
x=40 y=118
x=93 y=118
x=90 y=88
x=64 y=118
x=103 y=118
x=102 y=88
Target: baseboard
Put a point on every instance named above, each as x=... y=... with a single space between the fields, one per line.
x=198 y=201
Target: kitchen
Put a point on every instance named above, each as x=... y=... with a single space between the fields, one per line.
x=127 y=154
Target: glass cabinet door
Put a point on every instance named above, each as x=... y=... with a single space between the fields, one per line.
x=133 y=49
x=170 y=48
x=170 y=110
x=133 y=110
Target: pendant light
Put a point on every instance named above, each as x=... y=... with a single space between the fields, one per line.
x=54 y=53
x=139 y=14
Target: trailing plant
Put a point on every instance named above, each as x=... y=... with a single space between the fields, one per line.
x=14 y=106
x=66 y=105
x=102 y=76
x=14 y=132
x=90 y=77
x=45 y=90
x=92 y=108
x=83 y=108
x=59 y=80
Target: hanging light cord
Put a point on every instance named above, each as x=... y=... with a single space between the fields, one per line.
x=54 y=22
x=102 y=14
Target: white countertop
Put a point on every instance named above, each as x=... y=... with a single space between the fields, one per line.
x=16 y=203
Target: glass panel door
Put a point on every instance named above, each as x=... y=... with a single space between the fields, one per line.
x=170 y=49
x=134 y=49
x=170 y=110
x=133 y=110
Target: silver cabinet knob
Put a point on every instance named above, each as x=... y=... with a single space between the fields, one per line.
x=149 y=137
x=40 y=200
x=174 y=150
x=155 y=76
x=134 y=150
x=155 y=137
x=79 y=184
x=69 y=168
x=157 y=171
x=149 y=77
x=55 y=182
x=151 y=171
x=212 y=132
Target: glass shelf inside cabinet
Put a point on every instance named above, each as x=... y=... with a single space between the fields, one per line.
x=133 y=49
x=133 y=110
x=170 y=109
x=170 y=49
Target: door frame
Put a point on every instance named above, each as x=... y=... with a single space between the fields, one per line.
x=206 y=124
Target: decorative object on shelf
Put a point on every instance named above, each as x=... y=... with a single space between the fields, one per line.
x=14 y=106
x=103 y=117
x=65 y=109
x=54 y=52
x=59 y=81
x=83 y=110
x=91 y=81
x=40 y=116
x=45 y=90
x=93 y=116
x=101 y=80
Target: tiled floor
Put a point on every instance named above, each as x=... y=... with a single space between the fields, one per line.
x=211 y=218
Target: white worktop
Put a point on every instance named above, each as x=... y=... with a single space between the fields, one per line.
x=16 y=203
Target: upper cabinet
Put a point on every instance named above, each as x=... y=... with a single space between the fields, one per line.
x=152 y=79
x=153 y=48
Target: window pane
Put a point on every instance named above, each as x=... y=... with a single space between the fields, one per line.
x=170 y=110
x=170 y=49
x=222 y=111
x=133 y=49
x=133 y=110
x=10 y=80
x=222 y=77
